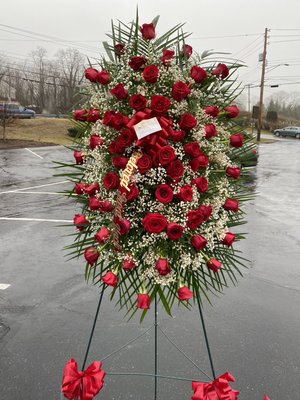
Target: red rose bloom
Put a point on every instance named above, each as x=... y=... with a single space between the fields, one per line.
x=194 y=219
x=185 y=193
x=128 y=264
x=175 y=170
x=108 y=118
x=229 y=238
x=94 y=203
x=138 y=102
x=180 y=91
x=213 y=264
x=176 y=136
x=174 y=231
x=162 y=266
x=184 y=293
x=199 y=162
x=167 y=56
x=221 y=70
x=231 y=205
x=124 y=225
x=95 y=141
x=79 y=188
x=150 y=74
x=119 y=49
x=154 y=223
x=103 y=77
x=198 y=74
x=232 y=111
x=119 y=92
x=144 y=163
x=210 y=131
x=106 y=206
x=198 y=242
x=213 y=111
x=236 y=140
x=187 y=122
x=187 y=51
x=137 y=62
x=119 y=121
x=91 y=255
x=164 y=193
x=91 y=189
x=166 y=154
x=143 y=301
x=80 y=115
x=205 y=211
x=192 y=149
x=78 y=157
x=93 y=115
x=102 y=235
x=233 y=172
x=159 y=104
x=110 y=181
x=126 y=138
x=133 y=193
x=148 y=31
x=120 y=162
x=80 y=221
x=91 y=74
x=201 y=184
x=110 y=279
x=115 y=148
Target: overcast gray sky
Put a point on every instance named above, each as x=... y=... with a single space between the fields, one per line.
x=211 y=21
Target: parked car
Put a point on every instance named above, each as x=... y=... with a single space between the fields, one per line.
x=14 y=110
x=293 y=131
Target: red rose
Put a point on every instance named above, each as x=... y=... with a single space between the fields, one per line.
x=110 y=279
x=221 y=70
x=80 y=115
x=103 y=77
x=180 y=91
x=210 y=131
x=167 y=56
x=80 y=221
x=102 y=235
x=198 y=74
x=192 y=149
x=184 y=293
x=91 y=189
x=119 y=121
x=187 y=51
x=78 y=157
x=94 y=203
x=108 y=118
x=236 y=140
x=110 y=181
x=233 y=172
x=79 y=188
x=174 y=231
x=176 y=136
x=199 y=162
x=143 y=301
x=150 y=74
x=166 y=154
x=133 y=193
x=120 y=162
x=187 y=122
x=137 y=62
x=194 y=219
x=198 y=242
x=128 y=264
x=154 y=223
x=119 y=49
x=126 y=138
x=91 y=74
x=160 y=104
x=137 y=102
x=232 y=111
x=164 y=194
x=124 y=225
x=205 y=211
x=148 y=31
x=119 y=92
x=106 y=206
x=229 y=238
x=115 y=148
x=144 y=163
x=201 y=184
x=213 y=264
x=91 y=255
x=93 y=115
x=175 y=170
x=95 y=141
x=231 y=205
x=162 y=266
x=185 y=193
x=213 y=111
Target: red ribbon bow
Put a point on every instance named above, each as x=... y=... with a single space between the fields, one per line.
x=82 y=385
x=215 y=390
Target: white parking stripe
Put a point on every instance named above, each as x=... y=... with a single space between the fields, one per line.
x=4 y=286
x=33 y=187
x=33 y=153
x=35 y=219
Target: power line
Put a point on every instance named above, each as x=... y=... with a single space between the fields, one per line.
x=227 y=36
x=37 y=81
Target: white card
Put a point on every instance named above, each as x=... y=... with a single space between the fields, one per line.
x=146 y=127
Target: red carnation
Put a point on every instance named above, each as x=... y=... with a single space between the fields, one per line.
x=79 y=188
x=137 y=102
x=167 y=56
x=144 y=163
x=110 y=279
x=187 y=122
x=176 y=136
x=180 y=91
x=159 y=104
x=133 y=193
x=192 y=149
x=91 y=74
x=154 y=223
x=119 y=92
x=213 y=111
x=128 y=264
x=95 y=141
x=236 y=140
x=232 y=111
x=187 y=51
x=174 y=231
x=198 y=242
x=194 y=219
x=233 y=172
x=110 y=181
x=184 y=293
x=80 y=115
x=91 y=189
x=231 y=205
x=148 y=31
x=198 y=74
x=78 y=157
x=94 y=203
x=201 y=184
x=119 y=49
x=185 y=193
x=150 y=73
x=120 y=162
x=143 y=301
x=213 y=264
x=162 y=266
x=80 y=221
x=102 y=235
x=93 y=115
x=137 y=62
x=103 y=77
x=166 y=154
x=164 y=193
x=175 y=170
x=221 y=70
x=229 y=238
x=91 y=255
x=210 y=131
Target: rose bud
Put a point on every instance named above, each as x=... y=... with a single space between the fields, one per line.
x=143 y=301
x=232 y=111
x=110 y=279
x=78 y=157
x=91 y=255
x=186 y=51
x=180 y=91
x=198 y=74
x=201 y=184
x=210 y=131
x=221 y=70
x=176 y=136
x=92 y=189
x=79 y=188
x=128 y=264
x=120 y=162
x=162 y=266
x=137 y=102
x=106 y=206
x=199 y=162
x=137 y=62
x=93 y=115
x=229 y=238
x=94 y=203
x=148 y=31
x=184 y=293
x=231 y=205
x=192 y=149
x=110 y=181
x=119 y=92
x=80 y=115
x=164 y=193
x=124 y=225
x=150 y=73
x=102 y=235
x=185 y=193
x=80 y=221
x=213 y=264
x=91 y=74
x=174 y=231
x=187 y=122
x=213 y=111
x=205 y=211
x=119 y=49
x=95 y=141
x=167 y=56
x=236 y=140
x=103 y=77
x=233 y=172
x=198 y=242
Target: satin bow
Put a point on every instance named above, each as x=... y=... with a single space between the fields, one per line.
x=82 y=385
x=215 y=390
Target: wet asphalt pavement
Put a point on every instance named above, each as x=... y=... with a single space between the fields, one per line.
x=47 y=312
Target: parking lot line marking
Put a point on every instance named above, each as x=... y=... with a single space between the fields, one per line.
x=4 y=286
x=33 y=187
x=37 y=193
x=34 y=219
x=33 y=153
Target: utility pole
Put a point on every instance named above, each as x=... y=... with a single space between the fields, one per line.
x=248 y=86
x=262 y=83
